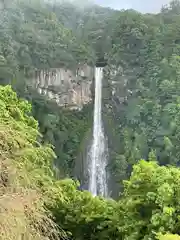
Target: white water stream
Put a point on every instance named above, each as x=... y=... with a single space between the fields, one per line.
x=97 y=157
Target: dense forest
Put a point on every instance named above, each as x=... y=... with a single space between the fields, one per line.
x=40 y=141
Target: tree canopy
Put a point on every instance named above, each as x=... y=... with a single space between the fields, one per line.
x=40 y=142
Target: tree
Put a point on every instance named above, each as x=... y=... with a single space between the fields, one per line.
x=151 y=201
x=26 y=176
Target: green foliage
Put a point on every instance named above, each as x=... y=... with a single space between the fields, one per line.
x=148 y=207
x=150 y=201
x=63 y=128
x=32 y=38
x=26 y=176
x=141 y=115
x=85 y=217
x=143 y=88
x=20 y=140
x=169 y=237
x=91 y=24
x=78 y=213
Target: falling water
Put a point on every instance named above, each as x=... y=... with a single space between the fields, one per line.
x=98 y=151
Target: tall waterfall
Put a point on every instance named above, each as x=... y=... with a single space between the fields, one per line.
x=97 y=157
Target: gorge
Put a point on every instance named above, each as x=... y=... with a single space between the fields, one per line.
x=89 y=122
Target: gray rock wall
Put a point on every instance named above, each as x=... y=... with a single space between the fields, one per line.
x=71 y=88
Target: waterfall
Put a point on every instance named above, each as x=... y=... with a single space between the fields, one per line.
x=97 y=157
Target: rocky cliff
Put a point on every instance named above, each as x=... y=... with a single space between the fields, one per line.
x=71 y=88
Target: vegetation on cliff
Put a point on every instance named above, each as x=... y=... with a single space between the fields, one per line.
x=33 y=38
x=29 y=192
x=141 y=112
x=144 y=106
x=25 y=173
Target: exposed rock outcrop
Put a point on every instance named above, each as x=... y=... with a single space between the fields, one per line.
x=71 y=88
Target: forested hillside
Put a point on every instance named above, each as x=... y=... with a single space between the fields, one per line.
x=90 y=24
x=145 y=89
x=32 y=38
x=40 y=142
x=31 y=198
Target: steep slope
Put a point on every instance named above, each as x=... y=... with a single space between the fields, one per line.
x=33 y=38
x=25 y=174
x=90 y=24
x=142 y=89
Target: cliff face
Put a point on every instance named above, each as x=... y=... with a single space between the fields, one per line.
x=71 y=88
